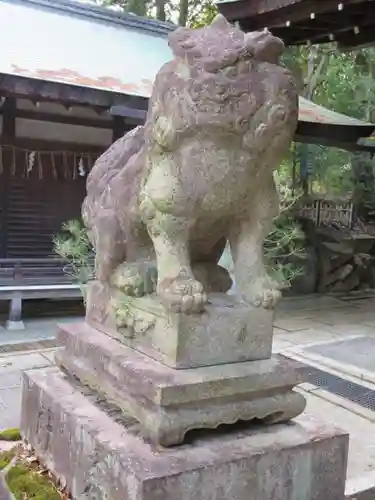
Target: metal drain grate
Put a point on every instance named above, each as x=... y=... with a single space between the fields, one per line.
x=29 y=346
x=356 y=393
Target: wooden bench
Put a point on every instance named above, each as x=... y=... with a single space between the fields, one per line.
x=26 y=279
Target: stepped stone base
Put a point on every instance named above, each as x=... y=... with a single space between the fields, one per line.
x=167 y=402
x=97 y=451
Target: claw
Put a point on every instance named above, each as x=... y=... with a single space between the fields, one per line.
x=264 y=294
x=184 y=294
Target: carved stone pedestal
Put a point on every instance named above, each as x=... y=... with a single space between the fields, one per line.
x=97 y=451
x=168 y=402
x=228 y=331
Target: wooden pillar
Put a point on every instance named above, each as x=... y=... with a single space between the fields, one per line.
x=125 y=119
x=8 y=112
x=118 y=129
x=9 y=119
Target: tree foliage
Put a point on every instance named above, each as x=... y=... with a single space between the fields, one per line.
x=183 y=12
x=343 y=82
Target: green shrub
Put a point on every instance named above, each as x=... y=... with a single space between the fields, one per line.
x=25 y=483
x=10 y=435
x=5 y=458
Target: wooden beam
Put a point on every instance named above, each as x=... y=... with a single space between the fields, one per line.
x=351 y=40
x=63 y=119
x=265 y=13
x=324 y=26
x=125 y=118
x=4 y=193
x=327 y=133
x=350 y=16
x=30 y=88
x=254 y=8
x=301 y=36
x=118 y=128
x=8 y=112
x=42 y=145
x=126 y=112
x=329 y=142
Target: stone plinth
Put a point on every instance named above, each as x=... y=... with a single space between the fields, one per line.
x=229 y=331
x=169 y=402
x=100 y=456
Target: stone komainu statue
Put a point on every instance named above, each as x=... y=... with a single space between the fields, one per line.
x=222 y=114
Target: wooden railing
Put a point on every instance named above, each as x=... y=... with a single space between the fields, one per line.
x=24 y=279
x=33 y=271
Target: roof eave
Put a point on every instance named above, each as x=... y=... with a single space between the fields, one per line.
x=97 y=13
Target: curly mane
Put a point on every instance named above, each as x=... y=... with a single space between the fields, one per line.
x=218 y=78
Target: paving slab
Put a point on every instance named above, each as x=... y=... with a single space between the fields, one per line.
x=307 y=336
x=347 y=318
x=363 y=304
x=310 y=302
x=361 y=432
x=36 y=330
x=50 y=355
x=291 y=324
x=361 y=488
x=10 y=380
x=350 y=330
x=359 y=352
x=11 y=368
x=27 y=335
x=22 y=361
x=10 y=408
x=327 y=314
x=8 y=445
x=280 y=345
x=352 y=373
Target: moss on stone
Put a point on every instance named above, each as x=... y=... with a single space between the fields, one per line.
x=26 y=483
x=5 y=458
x=10 y=435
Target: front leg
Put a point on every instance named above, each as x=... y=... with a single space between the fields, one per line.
x=177 y=287
x=246 y=240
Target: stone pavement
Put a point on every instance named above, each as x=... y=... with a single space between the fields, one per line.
x=37 y=330
x=12 y=363
x=337 y=336
x=11 y=367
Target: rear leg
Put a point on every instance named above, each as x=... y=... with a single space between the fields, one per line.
x=214 y=278
x=126 y=262
x=109 y=246
x=137 y=276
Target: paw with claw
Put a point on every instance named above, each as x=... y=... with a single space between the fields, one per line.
x=135 y=279
x=264 y=292
x=183 y=294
